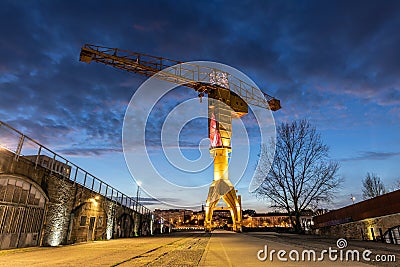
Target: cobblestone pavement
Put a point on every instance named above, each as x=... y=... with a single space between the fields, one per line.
x=318 y=244
x=182 y=252
x=221 y=248
x=176 y=249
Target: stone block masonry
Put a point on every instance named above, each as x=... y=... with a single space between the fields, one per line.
x=375 y=219
x=40 y=207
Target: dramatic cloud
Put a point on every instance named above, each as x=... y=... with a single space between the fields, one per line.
x=371 y=155
x=335 y=63
x=311 y=55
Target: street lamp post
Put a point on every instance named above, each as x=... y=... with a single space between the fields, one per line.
x=138 y=183
x=138 y=216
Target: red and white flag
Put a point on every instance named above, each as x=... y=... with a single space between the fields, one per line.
x=215 y=137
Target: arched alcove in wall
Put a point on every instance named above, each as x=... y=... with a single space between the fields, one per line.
x=22 y=210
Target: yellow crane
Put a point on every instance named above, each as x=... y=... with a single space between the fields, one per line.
x=228 y=97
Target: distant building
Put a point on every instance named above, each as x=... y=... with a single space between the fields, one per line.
x=306 y=219
x=222 y=218
x=180 y=218
x=276 y=219
x=247 y=213
x=176 y=217
x=198 y=216
x=183 y=218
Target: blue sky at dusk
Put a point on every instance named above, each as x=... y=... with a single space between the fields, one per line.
x=335 y=63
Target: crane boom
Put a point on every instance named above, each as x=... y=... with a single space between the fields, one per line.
x=191 y=75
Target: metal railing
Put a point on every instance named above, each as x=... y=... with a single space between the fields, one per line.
x=25 y=147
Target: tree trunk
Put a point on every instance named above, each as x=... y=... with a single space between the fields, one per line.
x=297 y=227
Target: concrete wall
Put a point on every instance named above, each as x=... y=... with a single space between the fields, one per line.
x=367 y=220
x=73 y=213
x=361 y=230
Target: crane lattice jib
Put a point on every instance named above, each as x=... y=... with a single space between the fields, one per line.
x=189 y=74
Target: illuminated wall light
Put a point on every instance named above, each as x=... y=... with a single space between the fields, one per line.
x=151 y=224
x=369 y=225
x=110 y=221
x=55 y=236
x=57 y=217
x=94 y=202
x=136 y=218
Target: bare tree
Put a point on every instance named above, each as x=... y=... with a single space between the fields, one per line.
x=372 y=186
x=301 y=173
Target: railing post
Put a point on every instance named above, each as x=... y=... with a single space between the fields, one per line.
x=92 y=183
x=38 y=156
x=76 y=174
x=63 y=170
x=19 y=147
x=52 y=164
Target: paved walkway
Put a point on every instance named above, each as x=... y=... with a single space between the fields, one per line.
x=318 y=243
x=125 y=252
x=231 y=249
x=221 y=248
